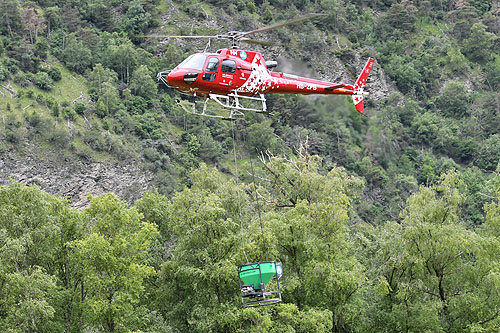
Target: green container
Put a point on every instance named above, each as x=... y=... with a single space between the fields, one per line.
x=250 y=274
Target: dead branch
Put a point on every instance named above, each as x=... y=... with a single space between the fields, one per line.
x=272 y=202
x=11 y=91
x=258 y=177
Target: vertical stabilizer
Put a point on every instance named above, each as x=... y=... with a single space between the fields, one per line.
x=359 y=86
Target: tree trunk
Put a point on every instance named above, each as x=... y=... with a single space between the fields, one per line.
x=8 y=25
x=82 y=299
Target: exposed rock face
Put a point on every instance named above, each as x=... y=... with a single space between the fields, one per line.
x=74 y=180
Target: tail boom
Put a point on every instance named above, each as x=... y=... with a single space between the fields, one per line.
x=282 y=83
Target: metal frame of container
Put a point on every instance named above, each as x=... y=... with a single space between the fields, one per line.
x=259 y=298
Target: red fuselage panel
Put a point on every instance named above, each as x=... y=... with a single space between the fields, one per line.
x=243 y=72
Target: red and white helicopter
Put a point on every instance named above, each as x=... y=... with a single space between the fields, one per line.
x=233 y=76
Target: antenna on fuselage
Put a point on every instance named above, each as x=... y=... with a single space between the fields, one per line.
x=206 y=47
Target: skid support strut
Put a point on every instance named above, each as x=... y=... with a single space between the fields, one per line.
x=231 y=102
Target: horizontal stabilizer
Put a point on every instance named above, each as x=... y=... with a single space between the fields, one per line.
x=331 y=88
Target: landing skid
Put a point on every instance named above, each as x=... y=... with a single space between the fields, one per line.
x=230 y=102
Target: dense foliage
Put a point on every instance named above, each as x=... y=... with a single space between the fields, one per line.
x=166 y=265
x=385 y=223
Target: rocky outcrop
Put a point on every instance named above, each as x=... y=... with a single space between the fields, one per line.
x=74 y=179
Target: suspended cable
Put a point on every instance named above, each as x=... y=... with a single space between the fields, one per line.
x=238 y=192
x=258 y=210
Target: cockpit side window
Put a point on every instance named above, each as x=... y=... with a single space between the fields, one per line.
x=213 y=64
x=195 y=61
x=228 y=66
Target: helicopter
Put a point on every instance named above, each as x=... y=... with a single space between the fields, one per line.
x=238 y=79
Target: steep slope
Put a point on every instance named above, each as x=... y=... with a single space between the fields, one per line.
x=432 y=106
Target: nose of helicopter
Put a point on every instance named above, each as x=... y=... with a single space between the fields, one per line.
x=180 y=78
x=175 y=79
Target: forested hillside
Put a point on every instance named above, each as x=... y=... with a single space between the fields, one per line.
x=383 y=223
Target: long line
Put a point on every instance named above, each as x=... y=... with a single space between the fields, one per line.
x=238 y=191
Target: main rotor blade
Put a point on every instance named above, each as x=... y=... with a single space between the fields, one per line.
x=167 y=36
x=281 y=24
x=254 y=41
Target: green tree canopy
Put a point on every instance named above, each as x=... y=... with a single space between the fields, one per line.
x=112 y=258
x=142 y=84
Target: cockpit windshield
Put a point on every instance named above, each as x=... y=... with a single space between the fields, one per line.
x=195 y=61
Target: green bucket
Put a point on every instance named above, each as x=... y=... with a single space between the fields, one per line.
x=250 y=274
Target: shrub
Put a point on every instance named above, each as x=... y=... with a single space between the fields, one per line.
x=489 y=153
x=54 y=73
x=40 y=99
x=22 y=80
x=82 y=150
x=43 y=81
x=69 y=113
x=13 y=136
x=50 y=102
x=59 y=137
x=12 y=65
x=80 y=108
x=33 y=118
x=4 y=73
x=454 y=101
x=94 y=140
x=55 y=110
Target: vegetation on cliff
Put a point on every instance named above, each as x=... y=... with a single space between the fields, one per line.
x=385 y=223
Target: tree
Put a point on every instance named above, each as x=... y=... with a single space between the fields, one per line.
x=407 y=78
x=41 y=48
x=481 y=43
x=482 y=6
x=463 y=17
x=101 y=75
x=111 y=258
x=53 y=18
x=489 y=153
x=493 y=75
x=136 y=20
x=100 y=13
x=76 y=55
x=435 y=276
x=456 y=62
x=32 y=23
x=123 y=59
x=197 y=280
x=4 y=73
x=71 y=18
x=261 y=137
x=36 y=280
x=310 y=238
x=425 y=127
x=142 y=84
x=29 y=304
x=454 y=101
x=108 y=98
x=210 y=150
x=402 y=17
x=10 y=16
